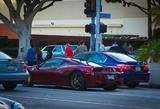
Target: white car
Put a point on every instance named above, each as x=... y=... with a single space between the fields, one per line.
x=57 y=50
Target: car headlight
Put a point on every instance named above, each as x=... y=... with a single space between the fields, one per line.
x=18 y=106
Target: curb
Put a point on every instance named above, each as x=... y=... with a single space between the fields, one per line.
x=157 y=86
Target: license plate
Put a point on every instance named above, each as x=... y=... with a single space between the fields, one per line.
x=138 y=68
x=111 y=77
x=12 y=68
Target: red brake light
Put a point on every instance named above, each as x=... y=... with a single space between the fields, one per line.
x=146 y=67
x=90 y=68
x=25 y=67
x=125 y=67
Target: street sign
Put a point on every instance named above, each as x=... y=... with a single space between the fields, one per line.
x=105 y=15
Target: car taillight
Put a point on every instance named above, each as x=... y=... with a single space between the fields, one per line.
x=25 y=67
x=146 y=67
x=90 y=68
x=126 y=67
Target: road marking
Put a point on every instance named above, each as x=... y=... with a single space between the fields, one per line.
x=83 y=102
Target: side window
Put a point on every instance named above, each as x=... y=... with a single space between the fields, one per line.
x=103 y=59
x=57 y=49
x=53 y=63
x=82 y=56
x=94 y=58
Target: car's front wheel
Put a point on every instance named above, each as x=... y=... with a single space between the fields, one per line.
x=9 y=85
x=77 y=81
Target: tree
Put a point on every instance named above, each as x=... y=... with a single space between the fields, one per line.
x=151 y=3
x=21 y=13
x=155 y=12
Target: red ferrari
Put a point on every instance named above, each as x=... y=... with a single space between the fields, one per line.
x=78 y=74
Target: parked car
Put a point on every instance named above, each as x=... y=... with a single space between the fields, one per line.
x=9 y=104
x=76 y=73
x=134 y=71
x=57 y=50
x=12 y=71
x=116 y=49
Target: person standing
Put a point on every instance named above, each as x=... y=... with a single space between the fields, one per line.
x=115 y=44
x=39 y=59
x=49 y=54
x=30 y=57
x=130 y=48
x=68 y=51
x=82 y=47
x=102 y=48
x=125 y=46
x=78 y=48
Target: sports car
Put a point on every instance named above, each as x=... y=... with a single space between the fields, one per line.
x=74 y=72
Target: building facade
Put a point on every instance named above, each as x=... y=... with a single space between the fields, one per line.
x=67 y=18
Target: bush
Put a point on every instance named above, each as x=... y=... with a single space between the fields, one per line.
x=150 y=51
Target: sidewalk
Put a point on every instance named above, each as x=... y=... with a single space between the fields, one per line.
x=147 y=85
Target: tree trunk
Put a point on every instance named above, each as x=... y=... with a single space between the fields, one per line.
x=24 y=41
x=149 y=20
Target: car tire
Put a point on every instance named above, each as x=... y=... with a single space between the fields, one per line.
x=9 y=85
x=77 y=81
x=29 y=82
x=132 y=84
x=111 y=87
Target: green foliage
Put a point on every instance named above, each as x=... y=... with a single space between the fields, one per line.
x=155 y=12
x=113 y=1
x=149 y=52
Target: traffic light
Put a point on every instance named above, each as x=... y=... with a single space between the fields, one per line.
x=90 y=8
x=90 y=28
x=103 y=28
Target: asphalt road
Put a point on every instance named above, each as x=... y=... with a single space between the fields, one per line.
x=51 y=97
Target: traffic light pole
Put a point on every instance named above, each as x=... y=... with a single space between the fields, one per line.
x=98 y=37
x=92 y=40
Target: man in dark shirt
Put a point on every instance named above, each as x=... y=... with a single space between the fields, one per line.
x=30 y=57
x=68 y=51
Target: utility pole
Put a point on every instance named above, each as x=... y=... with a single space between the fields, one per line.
x=92 y=40
x=98 y=36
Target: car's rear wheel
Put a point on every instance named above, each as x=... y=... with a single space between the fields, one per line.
x=77 y=81
x=132 y=84
x=9 y=85
x=111 y=87
x=29 y=82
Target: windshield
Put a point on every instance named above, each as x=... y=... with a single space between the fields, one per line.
x=4 y=56
x=120 y=57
